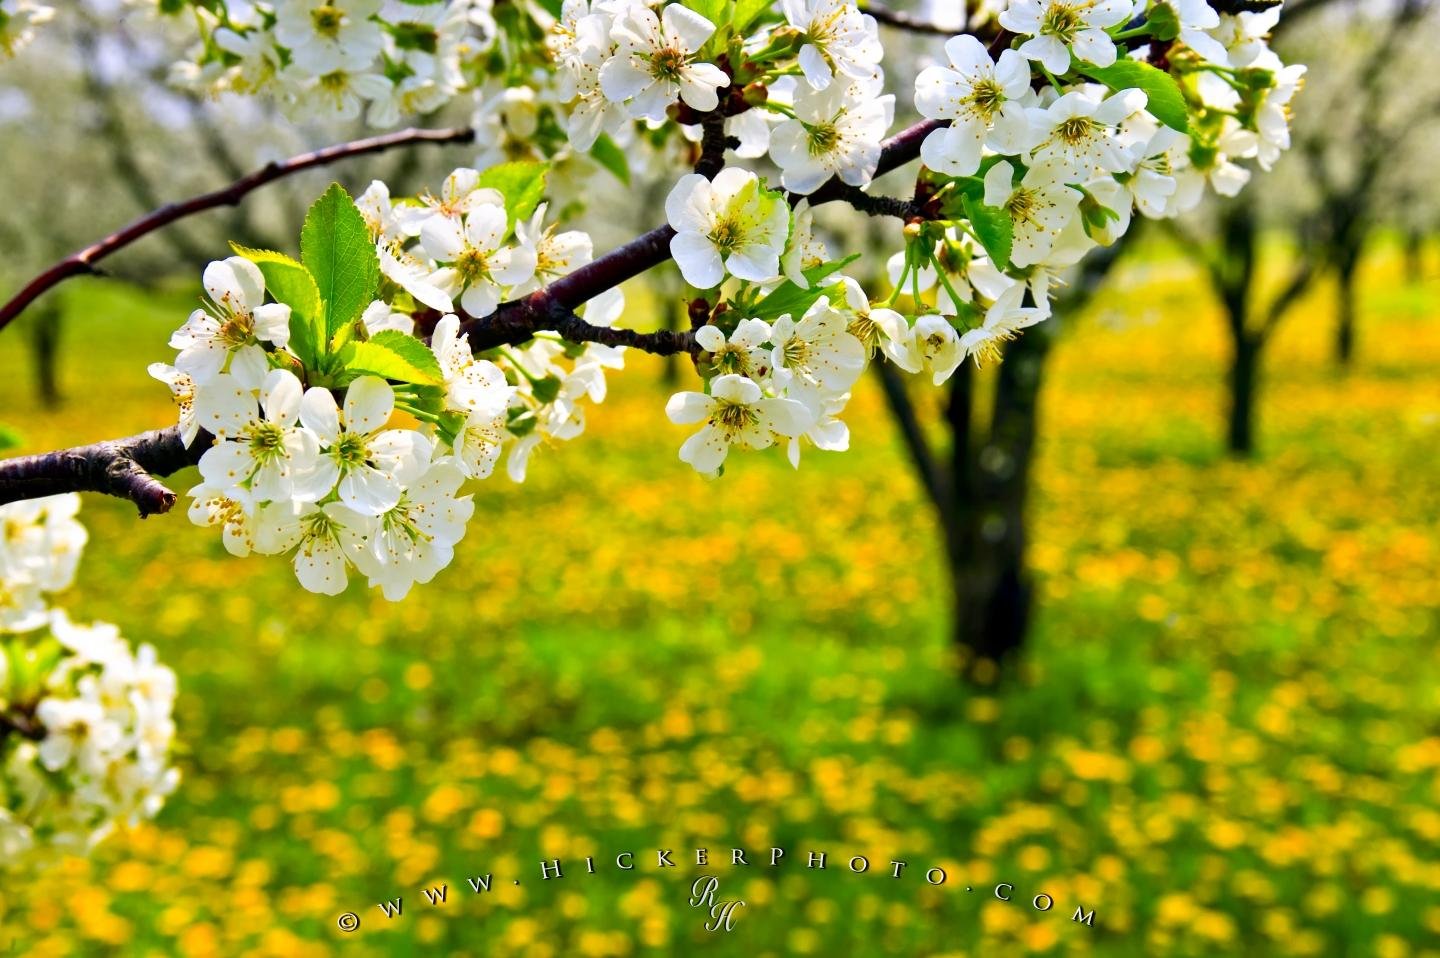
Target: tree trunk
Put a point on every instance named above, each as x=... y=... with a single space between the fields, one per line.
x=1244 y=371
x=986 y=536
x=1345 y=305
x=45 y=353
x=1414 y=255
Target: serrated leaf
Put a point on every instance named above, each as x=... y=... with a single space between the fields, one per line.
x=610 y=156
x=336 y=248
x=1163 y=22
x=522 y=184
x=289 y=282
x=795 y=300
x=994 y=229
x=286 y=279
x=1166 y=102
x=394 y=355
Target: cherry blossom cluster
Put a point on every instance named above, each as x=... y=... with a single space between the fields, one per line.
x=1047 y=150
x=85 y=723
x=18 y=20
x=331 y=59
x=346 y=422
x=337 y=437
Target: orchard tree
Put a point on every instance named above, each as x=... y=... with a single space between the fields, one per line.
x=1343 y=178
x=339 y=396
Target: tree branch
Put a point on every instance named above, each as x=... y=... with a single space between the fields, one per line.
x=1244 y=6
x=124 y=467
x=877 y=205
x=22 y=724
x=117 y=467
x=517 y=320
x=1300 y=279
x=83 y=261
x=901 y=20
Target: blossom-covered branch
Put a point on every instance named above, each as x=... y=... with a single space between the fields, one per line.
x=348 y=395
x=83 y=261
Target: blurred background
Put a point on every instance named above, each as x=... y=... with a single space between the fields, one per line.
x=1192 y=519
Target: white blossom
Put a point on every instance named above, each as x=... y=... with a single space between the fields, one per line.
x=477 y=264
x=1077 y=134
x=837 y=39
x=239 y=316
x=836 y=131
x=728 y=224
x=368 y=465
x=1038 y=206
x=817 y=351
x=656 y=60
x=983 y=100
x=265 y=450
x=325 y=36
x=742 y=352
x=734 y=413
x=1057 y=27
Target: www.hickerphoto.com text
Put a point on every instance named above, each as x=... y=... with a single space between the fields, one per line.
x=556 y=869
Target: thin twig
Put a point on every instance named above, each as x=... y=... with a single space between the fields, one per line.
x=901 y=20
x=83 y=261
x=126 y=467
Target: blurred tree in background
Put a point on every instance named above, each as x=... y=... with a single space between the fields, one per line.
x=1366 y=134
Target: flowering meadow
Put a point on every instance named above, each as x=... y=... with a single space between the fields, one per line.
x=1226 y=739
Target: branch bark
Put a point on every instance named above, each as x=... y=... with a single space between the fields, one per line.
x=118 y=467
x=126 y=467
x=517 y=320
x=83 y=261
x=901 y=20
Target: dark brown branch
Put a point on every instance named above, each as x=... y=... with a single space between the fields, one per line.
x=119 y=467
x=877 y=205
x=127 y=467
x=518 y=320
x=1244 y=6
x=901 y=20
x=22 y=724
x=1300 y=279
x=712 y=145
x=83 y=261
x=662 y=342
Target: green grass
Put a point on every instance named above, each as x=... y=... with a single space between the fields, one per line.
x=1224 y=740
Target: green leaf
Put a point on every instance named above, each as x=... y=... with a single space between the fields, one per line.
x=795 y=300
x=336 y=248
x=392 y=354
x=1162 y=22
x=289 y=282
x=286 y=279
x=716 y=11
x=994 y=229
x=9 y=438
x=610 y=156
x=522 y=184
x=746 y=11
x=1166 y=102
